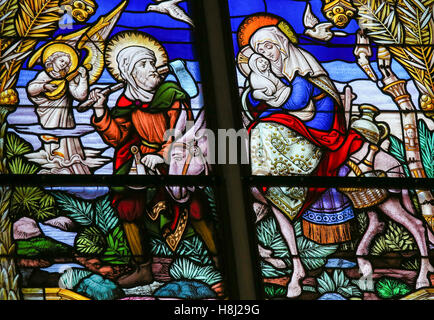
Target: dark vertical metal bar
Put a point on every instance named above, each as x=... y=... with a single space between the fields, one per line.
x=232 y=184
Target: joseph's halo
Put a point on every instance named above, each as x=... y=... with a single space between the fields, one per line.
x=126 y=39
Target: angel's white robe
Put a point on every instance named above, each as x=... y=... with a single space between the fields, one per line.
x=61 y=155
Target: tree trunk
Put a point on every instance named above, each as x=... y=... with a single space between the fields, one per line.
x=8 y=273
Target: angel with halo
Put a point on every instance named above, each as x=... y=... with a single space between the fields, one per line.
x=54 y=89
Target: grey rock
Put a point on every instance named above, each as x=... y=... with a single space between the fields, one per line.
x=62 y=223
x=26 y=228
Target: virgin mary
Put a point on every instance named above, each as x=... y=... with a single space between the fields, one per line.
x=306 y=135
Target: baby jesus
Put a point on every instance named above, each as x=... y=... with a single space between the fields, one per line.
x=266 y=86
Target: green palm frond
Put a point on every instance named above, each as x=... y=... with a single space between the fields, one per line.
x=26 y=200
x=78 y=210
x=19 y=165
x=16 y=146
x=117 y=248
x=186 y=269
x=90 y=241
x=314 y=255
x=338 y=283
x=105 y=216
x=426 y=140
x=269 y=237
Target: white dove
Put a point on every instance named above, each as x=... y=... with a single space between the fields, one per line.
x=317 y=30
x=171 y=8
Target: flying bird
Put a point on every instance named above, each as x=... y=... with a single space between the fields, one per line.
x=171 y=8
x=317 y=30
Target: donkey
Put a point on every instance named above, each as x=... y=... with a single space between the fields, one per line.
x=188 y=155
x=399 y=208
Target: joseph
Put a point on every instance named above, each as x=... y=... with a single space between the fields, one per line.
x=148 y=107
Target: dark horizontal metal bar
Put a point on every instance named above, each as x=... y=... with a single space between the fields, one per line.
x=347 y=182
x=106 y=180
x=303 y=181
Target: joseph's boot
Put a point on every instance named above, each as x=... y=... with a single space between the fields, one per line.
x=142 y=274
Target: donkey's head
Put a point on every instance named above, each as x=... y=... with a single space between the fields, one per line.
x=188 y=156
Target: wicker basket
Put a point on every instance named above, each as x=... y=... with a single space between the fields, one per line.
x=365 y=197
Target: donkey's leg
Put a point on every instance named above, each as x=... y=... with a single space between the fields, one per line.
x=408 y=205
x=393 y=209
x=288 y=233
x=374 y=227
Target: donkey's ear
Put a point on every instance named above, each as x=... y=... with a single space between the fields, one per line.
x=180 y=125
x=200 y=121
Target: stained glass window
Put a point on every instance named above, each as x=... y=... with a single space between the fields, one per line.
x=116 y=182
x=336 y=97
x=101 y=101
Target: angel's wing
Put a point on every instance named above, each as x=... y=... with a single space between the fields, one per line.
x=309 y=19
x=93 y=41
x=90 y=39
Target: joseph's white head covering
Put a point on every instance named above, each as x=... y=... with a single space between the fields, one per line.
x=291 y=59
x=127 y=59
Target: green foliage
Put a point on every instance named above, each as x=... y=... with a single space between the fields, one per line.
x=338 y=283
x=18 y=165
x=192 y=248
x=426 y=140
x=212 y=205
x=107 y=236
x=413 y=264
x=312 y=254
x=160 y=248
x=90 y=241
x=32 y=202
x=395 y=239
x=71 y=277
x=388 y=288
x=78 y=210
x=16 y=146
x=274 y=291
x=399 y=239
x=397 y=150
x=269 y=237
x=117 y=247
x=105 y=215
x=268 y=271
x=42 y=247
x=380 y=246
x=188 y=270
x=195 y=249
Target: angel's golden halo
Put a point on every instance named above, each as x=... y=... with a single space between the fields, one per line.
x=61 y=47
x=126 y=39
